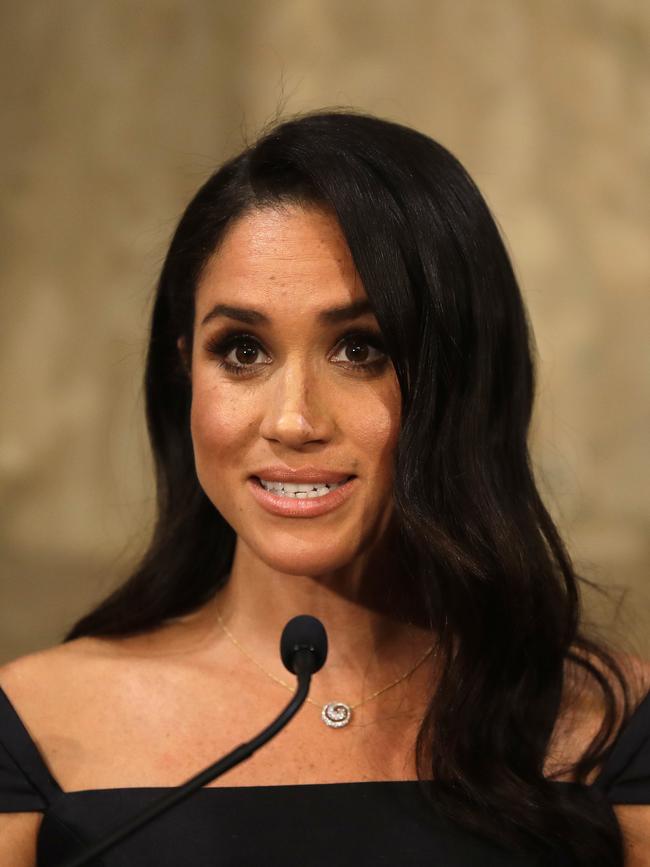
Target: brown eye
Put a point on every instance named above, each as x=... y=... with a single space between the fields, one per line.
x=241 y=349
x=358 y=348
x=245 y=352
x=357 y=351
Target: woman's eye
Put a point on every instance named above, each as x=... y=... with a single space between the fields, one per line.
x=239 y=354
x=359 y=352
x=244 y=353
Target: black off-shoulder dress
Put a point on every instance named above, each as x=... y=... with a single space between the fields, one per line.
x=333 y=824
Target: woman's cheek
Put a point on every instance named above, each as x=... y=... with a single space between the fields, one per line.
x=217 y=427
x=377 y=431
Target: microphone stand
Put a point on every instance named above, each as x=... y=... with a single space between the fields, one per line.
x=303 y=668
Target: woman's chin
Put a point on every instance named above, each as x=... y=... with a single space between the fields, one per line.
x=304 y=562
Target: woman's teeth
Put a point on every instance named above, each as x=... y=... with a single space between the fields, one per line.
x=299 y=492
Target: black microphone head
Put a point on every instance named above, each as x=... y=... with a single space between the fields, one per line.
x=303 y=631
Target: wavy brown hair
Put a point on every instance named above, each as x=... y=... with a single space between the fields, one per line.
x=491 y=574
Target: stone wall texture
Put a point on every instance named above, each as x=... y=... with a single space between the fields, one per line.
x=115 y=112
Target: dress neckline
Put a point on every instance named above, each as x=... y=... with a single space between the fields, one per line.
x=626 y=741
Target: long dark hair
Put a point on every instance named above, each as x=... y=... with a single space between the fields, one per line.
x=494 y=578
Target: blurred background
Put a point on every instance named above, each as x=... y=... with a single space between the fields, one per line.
x=115 y=113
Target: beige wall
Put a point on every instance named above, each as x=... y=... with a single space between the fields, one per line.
x=114 y=114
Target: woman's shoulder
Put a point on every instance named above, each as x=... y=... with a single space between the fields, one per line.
x=44 y=673
x=588 y=671
x=637 y=675
x=27 y=701
x=79 y=666
x=81 y=697
x=64 y=654
x=66 y=688
x=86 y=657
x=586 y=705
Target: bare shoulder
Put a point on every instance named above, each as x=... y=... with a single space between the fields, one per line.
x=635 y=818
x=639 y=676
x=583 y=713
x=86 y=669
x=18 y=836
x=57 y=656
x=585 y=704
x=585 y=691
x=75 y=701
x=30 y=683
x=44 y=673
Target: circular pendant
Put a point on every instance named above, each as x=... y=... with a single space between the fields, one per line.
x=336 y=714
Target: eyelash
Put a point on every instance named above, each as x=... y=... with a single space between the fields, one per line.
x=222 y=345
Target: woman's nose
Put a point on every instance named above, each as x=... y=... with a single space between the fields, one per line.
x=294 y=412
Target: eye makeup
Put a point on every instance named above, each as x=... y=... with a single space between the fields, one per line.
x=222 y=344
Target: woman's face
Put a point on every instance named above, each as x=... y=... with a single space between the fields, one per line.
x=298 y=394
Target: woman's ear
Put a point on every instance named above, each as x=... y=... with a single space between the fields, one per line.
x=185 y=355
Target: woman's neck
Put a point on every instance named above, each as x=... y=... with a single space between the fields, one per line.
x=372 y=636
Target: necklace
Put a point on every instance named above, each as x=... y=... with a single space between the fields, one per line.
x=335 y=713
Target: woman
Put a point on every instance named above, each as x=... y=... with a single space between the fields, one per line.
x=337 y=309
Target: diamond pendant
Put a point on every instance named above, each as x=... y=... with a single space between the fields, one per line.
x=336 y=714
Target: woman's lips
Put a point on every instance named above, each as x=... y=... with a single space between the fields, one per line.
x=290 y=507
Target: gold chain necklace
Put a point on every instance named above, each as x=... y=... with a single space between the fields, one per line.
x=335 y=713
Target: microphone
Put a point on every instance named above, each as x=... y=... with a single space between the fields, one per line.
x=303 y=645
x=303 y=648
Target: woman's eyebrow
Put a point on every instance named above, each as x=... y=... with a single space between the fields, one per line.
x=333 y=315
x=241 y=314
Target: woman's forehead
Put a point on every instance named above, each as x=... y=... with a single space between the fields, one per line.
x=278 y=258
